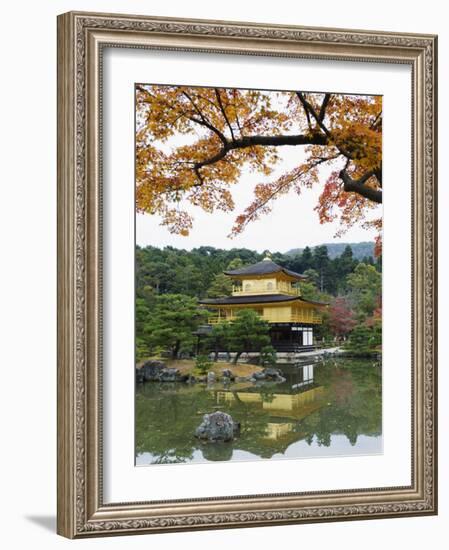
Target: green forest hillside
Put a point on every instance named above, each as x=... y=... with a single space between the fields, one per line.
x=359 y=250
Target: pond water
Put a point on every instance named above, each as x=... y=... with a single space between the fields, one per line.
x=327 y=408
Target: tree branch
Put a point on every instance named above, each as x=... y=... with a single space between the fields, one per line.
x=211 y=127
x=309 y=121
x=358 y=186
x=198 y=175
x=309 y=107
x=203 y=120
x=319 y=119
x=378 y=174
x=275 y=141
x=220 y=103
x=280 y=187
x=377 y=119
x=323 y=107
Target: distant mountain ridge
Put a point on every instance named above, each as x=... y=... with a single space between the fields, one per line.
x=359 y=250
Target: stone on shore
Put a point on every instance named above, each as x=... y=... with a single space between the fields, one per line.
x=169 y=375
x=157 y=371
x=152 y=369
x=269 y=374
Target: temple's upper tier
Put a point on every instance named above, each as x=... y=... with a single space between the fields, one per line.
x=265 y=268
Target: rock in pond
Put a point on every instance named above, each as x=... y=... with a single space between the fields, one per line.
x=217 y=426
x=151 y=370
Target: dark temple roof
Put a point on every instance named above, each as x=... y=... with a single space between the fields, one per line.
x=257 y=299
x=265 y=267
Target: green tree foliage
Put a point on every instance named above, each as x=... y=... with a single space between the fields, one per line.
x=322 y=265
x=236 y=263
x=342 y=266
x=218 y=339
x=307 y=259
x=268 y=356
x=176 y=271
x=364 y=340
x=171 y=323
x=222 y=284
x=313 y=276
x=365 y=286
x=203 y=364
x=143 y=345
x=310 y=288
x=248 y=332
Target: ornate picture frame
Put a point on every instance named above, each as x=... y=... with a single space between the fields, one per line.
x=82 y=511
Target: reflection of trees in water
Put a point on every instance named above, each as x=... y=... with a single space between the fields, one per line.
x=267 y=391
x=168 y=414
x=164 y=421
x=354 y=402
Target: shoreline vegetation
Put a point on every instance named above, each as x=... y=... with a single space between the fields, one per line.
x=248 y=369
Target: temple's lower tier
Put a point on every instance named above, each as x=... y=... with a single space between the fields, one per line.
x=291 y=337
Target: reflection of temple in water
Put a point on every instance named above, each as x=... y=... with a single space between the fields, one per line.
x=284 y=405
x=320 y=410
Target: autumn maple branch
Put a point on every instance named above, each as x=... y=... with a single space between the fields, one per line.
x=359 y=185
x=349 y=184
x=251 y=141
x=308 y=108
x=326 y=100
x=220 y=103
x=281 y=185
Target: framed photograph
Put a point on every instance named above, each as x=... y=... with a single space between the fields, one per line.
x=246 y=314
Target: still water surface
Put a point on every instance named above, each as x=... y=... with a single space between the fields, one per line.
x=328 y=408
